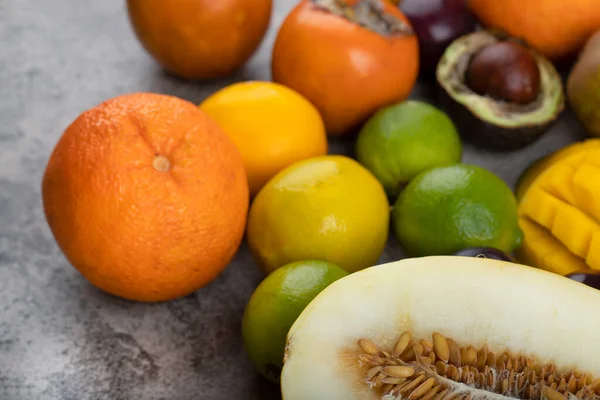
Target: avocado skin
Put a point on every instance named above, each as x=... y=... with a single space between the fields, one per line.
x=488 y=135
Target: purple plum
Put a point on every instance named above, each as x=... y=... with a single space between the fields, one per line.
x=487 y=252
x=437 y=23
x=590 y=278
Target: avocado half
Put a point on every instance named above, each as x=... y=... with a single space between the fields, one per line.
x=488 y=122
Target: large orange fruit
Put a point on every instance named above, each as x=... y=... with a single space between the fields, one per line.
x=348 y=58
x=557 y=28
x=200 y=39
x=146 y=196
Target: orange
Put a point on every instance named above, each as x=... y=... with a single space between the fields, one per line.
x=557 y=28
x=273 y=127
x=146 y=197
x=200 y=39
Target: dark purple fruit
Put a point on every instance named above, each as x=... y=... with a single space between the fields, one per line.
x=487 y=252
x=437 y=23
x=589 y=278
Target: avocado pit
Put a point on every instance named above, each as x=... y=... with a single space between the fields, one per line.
x=502 y=94
x=506 y=71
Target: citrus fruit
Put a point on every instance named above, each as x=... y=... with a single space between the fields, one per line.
x=349 y=58
x=146 y=196
x=446 y=209
x=272 y=126
x=557 y=28
x=404 y=139
x=275 y=305
x=200 y=39
x=326 y=208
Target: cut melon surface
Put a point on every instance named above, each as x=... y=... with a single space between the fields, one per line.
x=478 y=329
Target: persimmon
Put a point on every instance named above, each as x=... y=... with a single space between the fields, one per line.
x=349 y=58
x=200 y=39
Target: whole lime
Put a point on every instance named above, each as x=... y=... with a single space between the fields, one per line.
x=400 y=141
x=447 y=209
x=274 y=307
x=326 y=208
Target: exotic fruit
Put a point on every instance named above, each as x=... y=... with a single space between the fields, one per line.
x=502 y=94
x=484 y=252
x=590 y=278
x=583 y=86
x=556 y=28
x=559 y=210
x=437 y=23
x=200 y=39
x=347 y=58
x=446 y=328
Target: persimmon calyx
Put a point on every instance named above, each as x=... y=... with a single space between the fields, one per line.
x=369 y=14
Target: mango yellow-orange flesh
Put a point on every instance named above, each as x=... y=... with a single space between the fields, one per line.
x=560 y=212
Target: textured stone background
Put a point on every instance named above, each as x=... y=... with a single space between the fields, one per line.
x=59 y=337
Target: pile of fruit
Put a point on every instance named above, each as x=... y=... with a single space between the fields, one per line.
x=150 y=196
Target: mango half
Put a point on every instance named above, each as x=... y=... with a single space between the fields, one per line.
x=446 y=327
x=559 y=210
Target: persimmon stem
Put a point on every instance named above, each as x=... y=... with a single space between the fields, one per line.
x=369 y=14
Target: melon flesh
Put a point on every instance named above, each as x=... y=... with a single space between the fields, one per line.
x=474 y=301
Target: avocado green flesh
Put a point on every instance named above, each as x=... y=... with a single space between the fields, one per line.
x=451 y=72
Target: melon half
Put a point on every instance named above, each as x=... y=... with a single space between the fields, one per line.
x=446 y=327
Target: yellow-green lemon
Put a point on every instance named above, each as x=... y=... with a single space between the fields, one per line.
x=327 y=208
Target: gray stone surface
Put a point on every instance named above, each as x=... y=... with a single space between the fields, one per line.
x=59 y=337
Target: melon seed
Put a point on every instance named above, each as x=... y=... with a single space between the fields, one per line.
x=441 y=347
x=401 y=344
x=440 y=369
x=399 y=372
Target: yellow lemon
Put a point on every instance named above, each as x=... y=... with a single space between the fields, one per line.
x=326 y=208
x=272 y=126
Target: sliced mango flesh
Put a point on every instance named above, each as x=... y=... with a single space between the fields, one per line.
x=559 y=211
x=586 y=183
x=542 y=250
x=542 y=164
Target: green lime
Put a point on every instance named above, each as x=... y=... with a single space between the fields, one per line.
x=447 y=209
x=276 y=304
x=400 y=141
